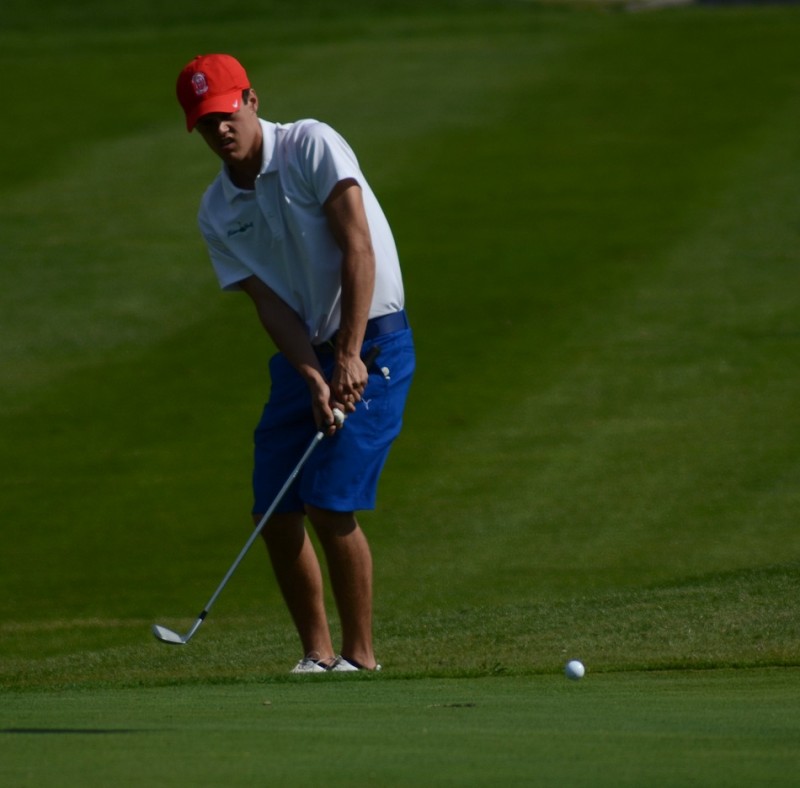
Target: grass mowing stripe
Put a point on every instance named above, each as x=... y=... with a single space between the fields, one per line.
x=644 y=400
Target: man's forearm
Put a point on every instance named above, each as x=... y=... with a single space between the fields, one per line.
x=287 y=331
x=358 y=285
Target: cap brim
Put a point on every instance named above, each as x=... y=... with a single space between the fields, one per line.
x=229 y=103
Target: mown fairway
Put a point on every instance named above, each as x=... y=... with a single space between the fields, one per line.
x=713 y=728
x=597 y=213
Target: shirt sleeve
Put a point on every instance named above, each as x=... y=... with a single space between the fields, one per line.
x=327 y=159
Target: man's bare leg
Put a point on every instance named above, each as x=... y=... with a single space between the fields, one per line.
x=350 y=568
x=299 y=577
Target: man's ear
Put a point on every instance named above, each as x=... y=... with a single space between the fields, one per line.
x=252 y=100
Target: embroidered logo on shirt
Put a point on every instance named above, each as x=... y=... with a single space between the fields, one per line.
x=242 y=228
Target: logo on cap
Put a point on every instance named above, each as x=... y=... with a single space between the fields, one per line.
x=199 y=83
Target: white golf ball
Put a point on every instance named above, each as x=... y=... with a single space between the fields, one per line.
x=574 y=669
x=338 y=418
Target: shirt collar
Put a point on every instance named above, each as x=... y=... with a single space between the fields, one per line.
x=269 y=161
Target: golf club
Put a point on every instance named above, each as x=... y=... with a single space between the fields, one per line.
x=166 y=635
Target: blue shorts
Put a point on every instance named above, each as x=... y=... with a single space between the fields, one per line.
x=342 y=473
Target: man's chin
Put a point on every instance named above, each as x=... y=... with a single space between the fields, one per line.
x=230 y=156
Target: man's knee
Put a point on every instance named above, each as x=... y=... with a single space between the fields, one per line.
x=282 y=528
x=330 y=523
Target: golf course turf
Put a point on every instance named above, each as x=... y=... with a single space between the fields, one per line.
x=597 y=210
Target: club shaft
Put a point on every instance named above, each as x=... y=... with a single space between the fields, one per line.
x=368 y=360
x=167 y=635
x=261 y=523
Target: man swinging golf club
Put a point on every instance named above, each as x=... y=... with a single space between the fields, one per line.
x=291 y=221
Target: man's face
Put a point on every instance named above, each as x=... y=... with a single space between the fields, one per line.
x=234 y=136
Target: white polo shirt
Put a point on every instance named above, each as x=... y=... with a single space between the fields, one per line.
x=279 y=231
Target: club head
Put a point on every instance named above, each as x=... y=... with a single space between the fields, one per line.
x=168 y=636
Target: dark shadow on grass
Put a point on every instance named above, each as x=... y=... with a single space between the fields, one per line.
x=79 y=731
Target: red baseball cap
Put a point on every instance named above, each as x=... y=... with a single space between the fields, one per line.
x=211 y=83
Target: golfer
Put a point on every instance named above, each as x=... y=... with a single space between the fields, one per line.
x=291 y=221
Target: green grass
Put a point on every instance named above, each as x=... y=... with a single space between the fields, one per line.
x=597 y=216
x=738 y=620
x=720 y=728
